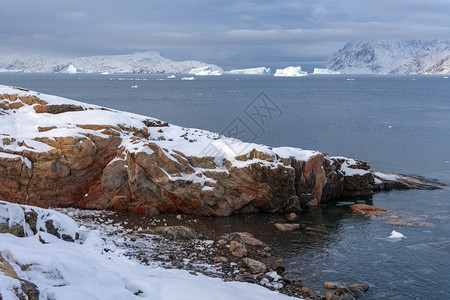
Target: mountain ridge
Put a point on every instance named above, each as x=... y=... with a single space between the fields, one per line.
x=393 y=57
x=149 y=62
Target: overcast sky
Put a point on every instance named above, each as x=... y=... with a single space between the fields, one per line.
x=228 y=33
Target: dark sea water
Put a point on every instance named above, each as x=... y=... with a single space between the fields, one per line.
x=396 y=123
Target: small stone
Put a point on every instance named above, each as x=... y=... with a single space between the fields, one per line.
x=333 y=285
x=222 y=242
x=280 y=270
x=356 y=292
x=332 y=295
x=238 y=249
x=220 y=259
x=287 y=227
x=306 y=290
x=291 y=217
x=179 y=217
x=362 y=286
x=279 y=261
x=255 y=266
x=346 y=297
x=261 y=253
x=288 y=277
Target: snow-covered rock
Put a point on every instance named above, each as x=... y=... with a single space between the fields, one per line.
x=141 y=62
x=393 y=57
x=322 y=71
x=250 y=71
x=24 y=220
x=291 y=72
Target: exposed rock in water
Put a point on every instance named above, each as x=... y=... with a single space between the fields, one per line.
x=91 y=157
x=354 y=291
x=367 y=210
x=287 y=226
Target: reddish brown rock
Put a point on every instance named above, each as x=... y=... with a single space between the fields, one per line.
x=367 y=210
x=95 y=171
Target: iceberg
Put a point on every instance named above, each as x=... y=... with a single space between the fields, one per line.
x=73 y=70
x=323 y=71
x=290 y=72
x=205 y=71
x=396 y=235
x=171 y=76
x=250 y=71
x=188 y=78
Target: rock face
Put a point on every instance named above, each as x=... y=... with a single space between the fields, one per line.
x=55 y=152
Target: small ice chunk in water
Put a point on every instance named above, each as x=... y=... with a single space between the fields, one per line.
x=396 y=235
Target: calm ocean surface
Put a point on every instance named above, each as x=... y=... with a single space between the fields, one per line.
x=396 y=123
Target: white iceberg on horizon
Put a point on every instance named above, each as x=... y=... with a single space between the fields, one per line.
x=290 y=72
x=250 y=71
x=205 y=71
x=74 y=70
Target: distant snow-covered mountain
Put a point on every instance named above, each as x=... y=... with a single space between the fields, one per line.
x=393 y=57
x=144 y=62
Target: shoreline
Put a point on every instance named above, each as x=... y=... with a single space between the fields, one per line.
x=208 y=254
x=205 y=249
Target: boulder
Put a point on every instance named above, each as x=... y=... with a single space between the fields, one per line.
x=246 y=238
x=255 y=266
x=238 y=249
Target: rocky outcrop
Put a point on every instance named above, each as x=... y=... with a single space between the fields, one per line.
x=55 y=152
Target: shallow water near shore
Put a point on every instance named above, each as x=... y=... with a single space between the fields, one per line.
x=395 y=123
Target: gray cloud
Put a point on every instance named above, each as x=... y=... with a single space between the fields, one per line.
x=231 y=32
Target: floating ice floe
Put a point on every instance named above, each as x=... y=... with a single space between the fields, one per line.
x=396 y=235
x=188 y=78
x=171 y=76
x=290 y=72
